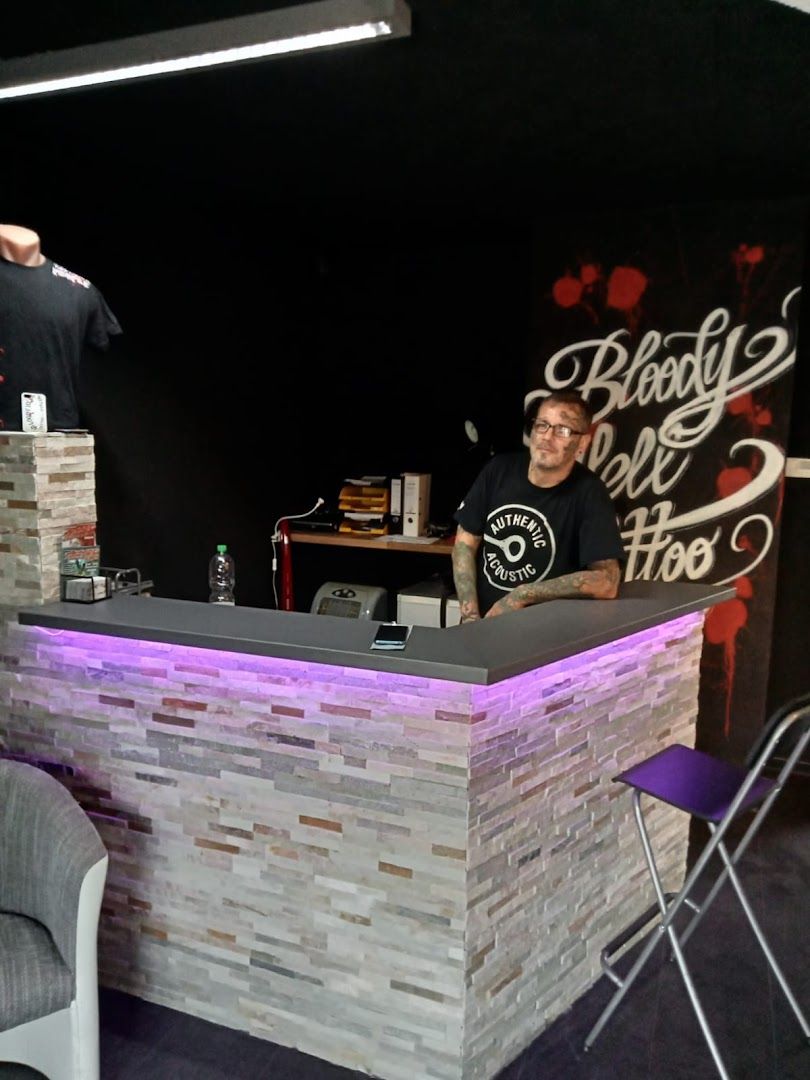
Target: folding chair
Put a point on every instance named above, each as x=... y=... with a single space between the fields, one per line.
x=718 y=793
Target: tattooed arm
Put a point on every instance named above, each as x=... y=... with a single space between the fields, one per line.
x=464 y=575
x=600 y=581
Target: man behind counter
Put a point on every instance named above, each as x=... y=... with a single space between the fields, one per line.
x=540 y=527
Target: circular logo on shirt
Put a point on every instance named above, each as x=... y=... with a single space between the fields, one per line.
x=518 y=546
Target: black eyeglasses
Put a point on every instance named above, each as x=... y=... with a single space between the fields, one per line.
x=562 y=431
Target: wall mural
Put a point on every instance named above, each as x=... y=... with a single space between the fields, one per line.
x=680 y=328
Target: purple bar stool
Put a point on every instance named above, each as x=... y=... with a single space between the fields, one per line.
x=718 y=793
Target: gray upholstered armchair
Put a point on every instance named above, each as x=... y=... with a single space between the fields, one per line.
x=52 y=871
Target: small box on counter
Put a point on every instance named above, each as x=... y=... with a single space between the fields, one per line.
x=85 y=589
x=80 y=555
x=80 y=561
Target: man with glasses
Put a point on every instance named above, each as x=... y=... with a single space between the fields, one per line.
x=538 y=526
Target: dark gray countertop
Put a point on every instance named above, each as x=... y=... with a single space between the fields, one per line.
x=483 y=652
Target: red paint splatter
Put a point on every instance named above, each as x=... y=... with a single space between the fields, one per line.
x=741 y=406
x=567 y=291
x=725 y=620
x=732 y=480
x=746 y=259
x=738 y=257
x=744 y=588
x=758 y=416
x=722 y=625
x=589 y=291
x=589 y=273
x=626 y=286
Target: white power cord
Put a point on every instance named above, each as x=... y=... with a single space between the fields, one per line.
x=276 y=537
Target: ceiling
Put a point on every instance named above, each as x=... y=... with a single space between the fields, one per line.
x=492 y=107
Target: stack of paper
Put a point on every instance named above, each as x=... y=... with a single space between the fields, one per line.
x=364 y=506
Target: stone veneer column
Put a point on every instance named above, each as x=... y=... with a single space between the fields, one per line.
x=47 y=483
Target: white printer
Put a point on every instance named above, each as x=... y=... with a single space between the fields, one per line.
x=351 y=601
x=428 y=604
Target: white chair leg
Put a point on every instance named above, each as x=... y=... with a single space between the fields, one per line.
x=86 y=1028
x=46 y=1045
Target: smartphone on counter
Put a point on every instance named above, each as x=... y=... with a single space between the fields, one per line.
x=391 y=636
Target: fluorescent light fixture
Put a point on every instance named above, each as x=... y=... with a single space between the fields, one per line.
x=800 y=5
x=319 y=25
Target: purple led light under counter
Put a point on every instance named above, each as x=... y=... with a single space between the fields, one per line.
x=214 y=662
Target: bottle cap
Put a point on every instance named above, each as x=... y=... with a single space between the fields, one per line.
x=222 y=548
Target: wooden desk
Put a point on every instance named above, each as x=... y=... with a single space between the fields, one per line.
x=330 y=539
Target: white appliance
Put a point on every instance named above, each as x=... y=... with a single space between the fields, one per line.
x=427 y=604
x=351 y=601
x=415 y=503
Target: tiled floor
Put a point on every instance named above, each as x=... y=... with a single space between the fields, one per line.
x=654 y=1035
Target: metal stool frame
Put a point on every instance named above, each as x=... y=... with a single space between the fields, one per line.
x=751 y=790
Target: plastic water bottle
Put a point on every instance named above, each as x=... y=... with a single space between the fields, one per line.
x=221 y=577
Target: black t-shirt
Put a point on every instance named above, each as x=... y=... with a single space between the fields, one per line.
x=531 y=533
x=47 y=316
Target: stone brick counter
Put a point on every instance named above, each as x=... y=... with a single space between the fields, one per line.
x=403 y=875
x=398 y=870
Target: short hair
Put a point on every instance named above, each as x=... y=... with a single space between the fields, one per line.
x=557 y=397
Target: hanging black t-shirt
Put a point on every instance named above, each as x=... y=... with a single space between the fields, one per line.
x=531 y=533
x=47 y=317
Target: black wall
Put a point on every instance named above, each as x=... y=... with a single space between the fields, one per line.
x=322 y=264
x=277 y=370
